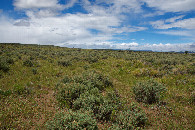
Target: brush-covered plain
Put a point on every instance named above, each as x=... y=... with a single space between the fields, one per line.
x=50 y=87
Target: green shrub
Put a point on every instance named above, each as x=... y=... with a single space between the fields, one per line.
x=64 y=63
x=148 y=91
x=102 y=106
x=5 y=62
x=22 y=90
x=67 y=93
x=71 y=120
x=4 y=66
x=131 y=118
x=34 y=70
x=91 y=79
x=89 y=100
x=115 y=127
x=94 y=79
x=92 y=59
x=5 y=93
x=28 y=63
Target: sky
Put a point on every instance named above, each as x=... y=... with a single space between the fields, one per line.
x=157 y=25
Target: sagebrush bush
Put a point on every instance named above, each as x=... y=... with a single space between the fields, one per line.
x=22 y=90
x=5 y=93
x=28 y=63
x=102 y=106
x=67 y=93
x=131 y=118
x=65 y=63
x=5 y=62
x=148 y=91
x=94 y=79
x=71 y=120
x=4 y=66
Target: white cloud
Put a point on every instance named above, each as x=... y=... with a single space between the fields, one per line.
x=178 y=32
x=70 y=3
x=173 y=19
x=70 y=28
x=167 y=47
x=135 y=46
x=115 y=7
x=32 y=4
x=185 y=23
x=43 y=25
x=171 y=5
x=1 y=11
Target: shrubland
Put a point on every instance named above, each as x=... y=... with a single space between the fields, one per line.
x=50 y=87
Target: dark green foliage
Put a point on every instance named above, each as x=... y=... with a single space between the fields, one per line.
x=28 y=63
x=65 y=63
x=4 y=66
x=67 y=93
x=22 y=90
x=5 y=93
x=102 y=106
x=131 y=118
x=5 y=62
x=71 y=120
x=148 y=91
x=34 y=70
x=92 y=78
x=92 y=59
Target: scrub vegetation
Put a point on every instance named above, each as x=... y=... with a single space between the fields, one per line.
x=50 y=87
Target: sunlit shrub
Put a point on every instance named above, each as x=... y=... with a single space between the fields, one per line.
x=5 y=93
x=22 y=90
x=71 y=120
x=5 y=62
x=4 y=66
x=65 y=63
x=131 y=118
x=34 y=70
x=102 y=106
x=92 y=78
x=148 y=91
x=67 y=93
x=28 y=63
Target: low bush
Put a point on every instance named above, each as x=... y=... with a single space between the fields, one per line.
x=148 y=91
x=22 y=90
x=92 y=78
x=5 y=62
x=67 y=93
x=34 y=70
x=65 y=63
x=5 y=93
x=102 y=106
x=4 y=66
x=131 y=118
x=28 y=63
x=71 y=120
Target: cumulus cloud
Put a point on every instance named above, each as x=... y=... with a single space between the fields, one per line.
x=32 y=4
x=43 y=25
x=185 y=23
x=167 y=47
x=179 y=33
x=70 y=3
x=135 y=46
x=171 y=5
x=72 y=28
x=46 y=24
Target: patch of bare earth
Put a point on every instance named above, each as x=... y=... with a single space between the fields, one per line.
x=46 y=108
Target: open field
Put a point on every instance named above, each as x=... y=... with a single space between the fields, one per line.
x=48 y=87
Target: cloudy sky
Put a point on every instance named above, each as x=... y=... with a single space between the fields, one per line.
x=158 y=25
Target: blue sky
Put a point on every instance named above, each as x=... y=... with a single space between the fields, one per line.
x=158 y=25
